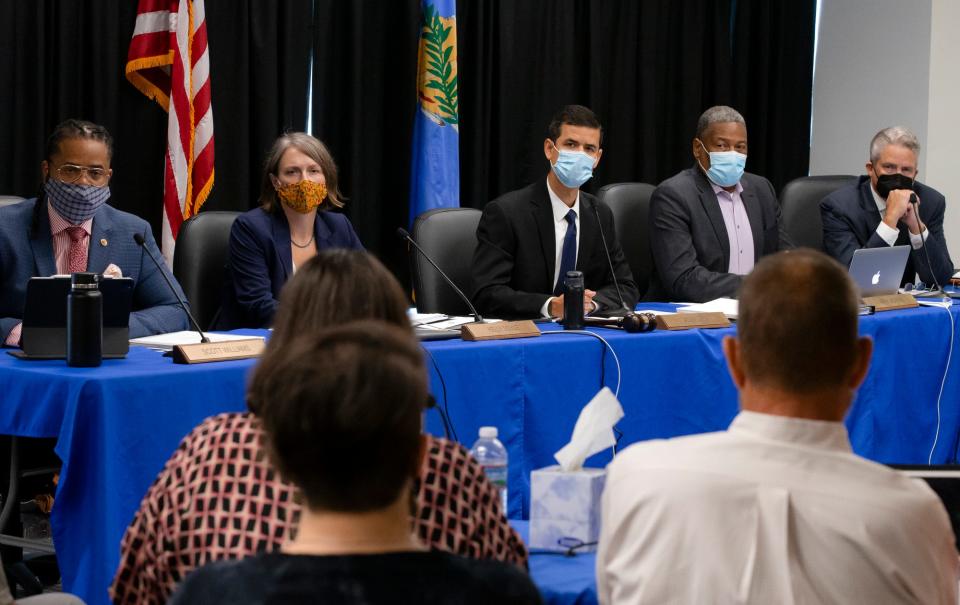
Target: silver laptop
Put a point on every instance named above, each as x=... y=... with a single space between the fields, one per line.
x=878 y=271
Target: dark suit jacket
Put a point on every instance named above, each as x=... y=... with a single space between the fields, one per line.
x=850 y=219
x=261 y=262
x=25 y=254
x=688 y=238
x=513 y=264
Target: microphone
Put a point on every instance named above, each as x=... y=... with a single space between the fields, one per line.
x=631 y=322
x=923 y=242
x=183 y=304
x=404 y=235
x=606 y=249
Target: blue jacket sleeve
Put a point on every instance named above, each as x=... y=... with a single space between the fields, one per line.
x=251 y=275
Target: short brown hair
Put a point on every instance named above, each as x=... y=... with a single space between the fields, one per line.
x=317 y=151
x=333 y=287
x=574 y=115
x=797 y=322
x=341 y=408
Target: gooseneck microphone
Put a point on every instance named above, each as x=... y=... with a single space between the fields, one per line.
x=404 y=235
x=183 y=304
x=606 y=249
x=923 y=242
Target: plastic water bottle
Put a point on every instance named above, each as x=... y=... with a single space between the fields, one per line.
x=492 y=456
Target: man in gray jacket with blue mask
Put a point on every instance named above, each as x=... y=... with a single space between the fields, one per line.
x=711 y=223
x=528 y=239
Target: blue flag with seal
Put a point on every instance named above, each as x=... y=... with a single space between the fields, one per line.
x=435 y=166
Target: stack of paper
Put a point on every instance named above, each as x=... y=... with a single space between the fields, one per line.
x=727 y=306
x=166 y=342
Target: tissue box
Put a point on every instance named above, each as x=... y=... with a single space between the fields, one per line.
x=565 y=508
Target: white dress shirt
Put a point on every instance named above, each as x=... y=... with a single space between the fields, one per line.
x=888 y=233
x=773 y=510
x=560 y=225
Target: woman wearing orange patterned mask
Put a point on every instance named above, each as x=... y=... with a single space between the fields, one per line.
x=293 y=222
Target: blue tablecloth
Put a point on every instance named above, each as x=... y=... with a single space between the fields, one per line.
x=116 y=425
x=676 y=383
x=562 y=580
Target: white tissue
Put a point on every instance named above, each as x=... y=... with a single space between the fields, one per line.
x=593 y=431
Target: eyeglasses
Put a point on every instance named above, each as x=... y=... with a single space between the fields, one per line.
x=71 y=173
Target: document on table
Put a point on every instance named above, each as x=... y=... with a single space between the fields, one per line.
x=727 y=306
x=166 y=342
x=439 y=321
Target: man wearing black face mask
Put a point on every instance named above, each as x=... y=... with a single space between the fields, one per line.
x=877 y=210
x=70 y=228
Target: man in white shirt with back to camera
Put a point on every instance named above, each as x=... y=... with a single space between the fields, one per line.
x=777 y=508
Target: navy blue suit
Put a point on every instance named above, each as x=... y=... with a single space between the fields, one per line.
x=850 y=218
x=25 y=253
x=261 y=262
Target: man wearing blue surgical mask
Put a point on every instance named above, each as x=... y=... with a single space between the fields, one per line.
x=70 y=228
x=877 y=211
x=711 y=223
x=528 y=239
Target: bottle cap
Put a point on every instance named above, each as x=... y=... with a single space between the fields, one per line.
x=488 y=432
x=85 y=281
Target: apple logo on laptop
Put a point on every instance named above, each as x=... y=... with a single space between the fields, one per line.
x=876 y=278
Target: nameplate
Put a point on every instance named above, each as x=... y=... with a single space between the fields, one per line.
x=890 y=302
x=206 y=352
x=500 y=330
x=688 y=321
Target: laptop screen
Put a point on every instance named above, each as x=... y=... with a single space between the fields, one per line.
x=45 y=316
x=879 y=271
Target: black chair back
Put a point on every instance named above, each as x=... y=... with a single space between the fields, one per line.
x=800 y=207
x=449 y=236
x=200 y=261
x=630 y=203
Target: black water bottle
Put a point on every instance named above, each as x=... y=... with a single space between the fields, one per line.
x=84 y=321
x=573 y=301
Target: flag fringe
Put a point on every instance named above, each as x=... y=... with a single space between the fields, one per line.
x=145 y=86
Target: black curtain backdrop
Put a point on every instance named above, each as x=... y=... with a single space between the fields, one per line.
x=773 y=77
x=647 y=68
x=66 y=59
x=364 y=99
x=259 y=69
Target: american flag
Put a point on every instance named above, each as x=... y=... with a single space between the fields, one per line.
x=169 y=61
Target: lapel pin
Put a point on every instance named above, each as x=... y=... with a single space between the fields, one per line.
x=103 y=242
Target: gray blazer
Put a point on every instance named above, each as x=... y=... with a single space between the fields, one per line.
x=688 y=238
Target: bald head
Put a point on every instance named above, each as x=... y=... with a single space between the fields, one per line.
x=797 y=324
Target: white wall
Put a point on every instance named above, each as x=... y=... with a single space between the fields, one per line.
x=872 y=71
x=940 y=164
x=890 y=62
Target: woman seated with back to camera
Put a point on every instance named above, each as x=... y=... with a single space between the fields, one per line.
x=349 y=437
x=218 y=497
x=294 y=222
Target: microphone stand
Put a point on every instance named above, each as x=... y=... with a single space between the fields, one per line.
x=183 y=304
x=404 y=235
